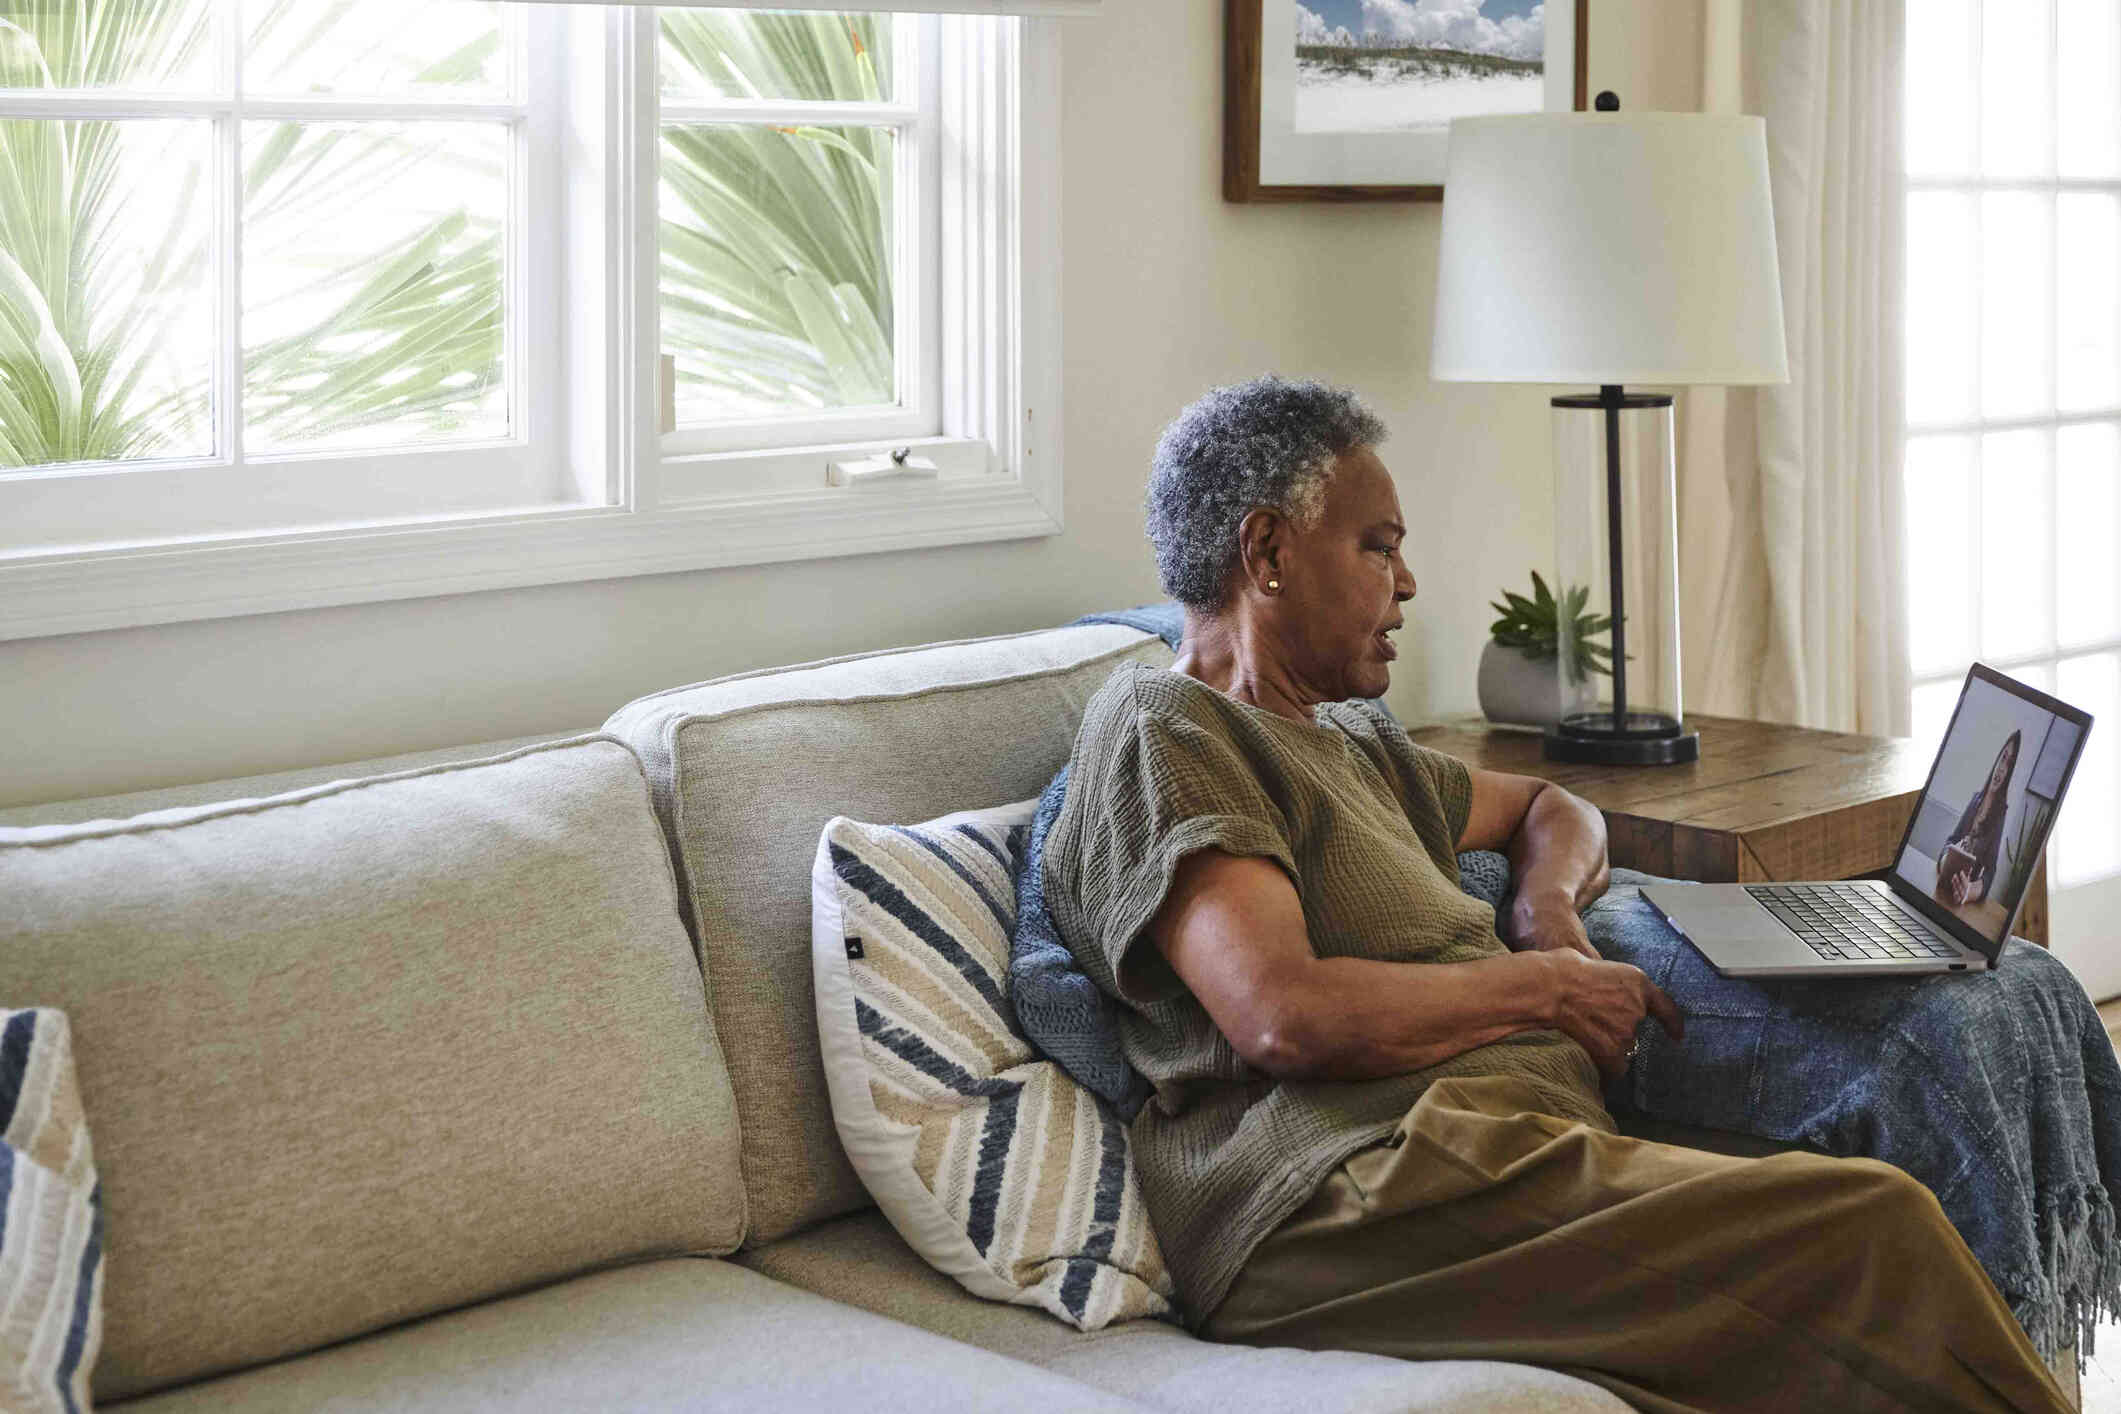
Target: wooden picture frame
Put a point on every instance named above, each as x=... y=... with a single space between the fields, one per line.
x=1244 y=87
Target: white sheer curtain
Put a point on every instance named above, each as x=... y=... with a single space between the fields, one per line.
x=1795 y=605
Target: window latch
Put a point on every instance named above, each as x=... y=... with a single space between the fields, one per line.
x=899 y=464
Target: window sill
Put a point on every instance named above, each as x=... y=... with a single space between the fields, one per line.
x=48 y=594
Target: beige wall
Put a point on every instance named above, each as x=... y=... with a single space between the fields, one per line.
x=1166 y=289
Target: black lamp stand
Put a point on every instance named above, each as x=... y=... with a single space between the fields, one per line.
x=1619 y=736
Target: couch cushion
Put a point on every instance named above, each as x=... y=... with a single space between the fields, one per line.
x=860 y=1260
x=374 y=1049
x=690 y=1335
x=747 y=770
x=139 y=802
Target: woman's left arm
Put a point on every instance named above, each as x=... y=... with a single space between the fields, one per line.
x=1557 y=848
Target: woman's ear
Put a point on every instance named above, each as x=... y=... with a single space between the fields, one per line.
x=1262 y=548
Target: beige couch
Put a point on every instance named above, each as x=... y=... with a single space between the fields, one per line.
x=407 y=1093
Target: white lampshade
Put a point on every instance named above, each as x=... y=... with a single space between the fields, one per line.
x=1608 y=248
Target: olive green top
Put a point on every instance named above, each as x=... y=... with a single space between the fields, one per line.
x=1365 y=823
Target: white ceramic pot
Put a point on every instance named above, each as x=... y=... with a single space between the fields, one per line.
x=1520 y=691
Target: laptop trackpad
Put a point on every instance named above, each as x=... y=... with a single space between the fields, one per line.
x=1726 y=924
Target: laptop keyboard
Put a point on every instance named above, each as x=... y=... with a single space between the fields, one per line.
x=1850 y=921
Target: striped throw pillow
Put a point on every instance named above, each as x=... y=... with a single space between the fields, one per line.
x=993 y=1164
x=51 y=1220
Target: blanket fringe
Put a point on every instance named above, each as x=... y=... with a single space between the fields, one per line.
x=2080 y=1284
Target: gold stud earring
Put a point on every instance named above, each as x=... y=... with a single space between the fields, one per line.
x=1273 y=584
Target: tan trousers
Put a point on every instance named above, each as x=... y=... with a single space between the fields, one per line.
x=1677 y=1279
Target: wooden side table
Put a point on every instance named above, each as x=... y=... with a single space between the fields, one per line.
x=1764 y=802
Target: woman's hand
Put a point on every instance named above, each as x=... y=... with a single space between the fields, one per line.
x=1962 y=888
x=1599 y=1004
x=1546 y=922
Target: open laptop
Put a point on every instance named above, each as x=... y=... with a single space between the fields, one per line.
x=1956 y=882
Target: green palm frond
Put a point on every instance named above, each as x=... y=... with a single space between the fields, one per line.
x=817 y=58
x=414 y=329
x=776 y=241
x=80 y=314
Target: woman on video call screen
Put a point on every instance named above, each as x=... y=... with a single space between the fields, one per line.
x=1977 y=834
x=1967 y=868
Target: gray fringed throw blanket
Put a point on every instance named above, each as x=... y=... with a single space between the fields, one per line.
x=1999 y=1090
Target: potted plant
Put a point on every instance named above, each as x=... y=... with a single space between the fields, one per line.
x=1521 y=678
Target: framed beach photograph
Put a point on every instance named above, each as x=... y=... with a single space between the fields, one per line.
x=1351 y=100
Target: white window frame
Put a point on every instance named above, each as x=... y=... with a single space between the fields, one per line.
x=625 y=502
x=233 y=490
x=714 y=449
x=965 y=326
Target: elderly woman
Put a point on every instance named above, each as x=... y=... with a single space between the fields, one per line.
x=1377 y=1119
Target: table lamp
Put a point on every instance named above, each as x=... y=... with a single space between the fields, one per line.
x=1611 y=248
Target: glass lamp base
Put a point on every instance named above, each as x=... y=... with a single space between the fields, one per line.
x=1641 y=739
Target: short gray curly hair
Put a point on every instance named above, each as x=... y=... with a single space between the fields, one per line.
x=1269 y=442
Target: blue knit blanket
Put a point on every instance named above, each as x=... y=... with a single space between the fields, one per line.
x=1059 y=1007
x=1999 y=1090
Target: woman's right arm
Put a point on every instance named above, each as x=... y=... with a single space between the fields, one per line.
x=1232 y=928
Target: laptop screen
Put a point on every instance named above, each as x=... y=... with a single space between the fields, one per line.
x=1993 y=791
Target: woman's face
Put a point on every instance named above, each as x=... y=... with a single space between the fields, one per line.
x=2006 y=762
x=1344 y=582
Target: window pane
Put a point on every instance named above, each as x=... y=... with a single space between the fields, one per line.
x=2017 y=339
x=1940 y=75
x=1941 y=305
x=2087 y=528
x=2012 y=544
x=106 y=291
x=2088 y=267
x=2087 y=839
x=813 y=57
x=140 y=44
x=372 y=280
x=1939 y=552
x=453 y=50
x=2017 y=99
x=2087 y=88
x=777 y=260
